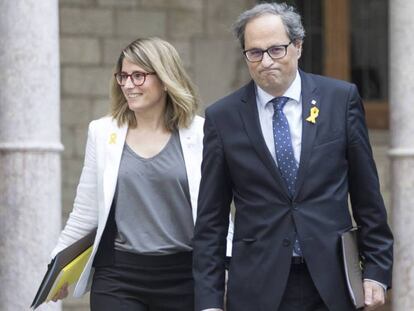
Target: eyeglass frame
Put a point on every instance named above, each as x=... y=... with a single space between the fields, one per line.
x=285 y=46
x=145 y=74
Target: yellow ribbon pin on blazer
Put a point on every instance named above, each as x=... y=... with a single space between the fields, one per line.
x=112 y=139
x=314 y=112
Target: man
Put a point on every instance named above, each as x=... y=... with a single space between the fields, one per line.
x=288 y=148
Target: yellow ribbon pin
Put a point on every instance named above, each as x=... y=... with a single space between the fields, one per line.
x=112 y=139
x=314 y=112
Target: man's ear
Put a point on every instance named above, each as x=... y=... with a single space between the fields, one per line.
x=298 y=46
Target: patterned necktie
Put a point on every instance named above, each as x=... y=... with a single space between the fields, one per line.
x=284 y=152
x=283 y=144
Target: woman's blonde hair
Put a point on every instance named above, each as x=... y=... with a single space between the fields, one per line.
x=157 y=55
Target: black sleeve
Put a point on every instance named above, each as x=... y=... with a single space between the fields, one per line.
x=211 y=227
x=375 y=237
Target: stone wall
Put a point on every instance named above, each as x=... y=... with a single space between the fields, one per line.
x=92 y=33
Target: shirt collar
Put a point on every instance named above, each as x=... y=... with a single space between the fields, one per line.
x=292 y=92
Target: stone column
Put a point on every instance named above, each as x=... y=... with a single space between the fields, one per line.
x=402 y=149
x=30 y=213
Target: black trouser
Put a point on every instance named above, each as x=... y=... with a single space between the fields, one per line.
x=144 y=283
x=301 y=293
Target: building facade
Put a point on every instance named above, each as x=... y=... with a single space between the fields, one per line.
x=346 y=39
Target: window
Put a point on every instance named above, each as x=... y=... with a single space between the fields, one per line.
x=348 y=40
x=369 y=48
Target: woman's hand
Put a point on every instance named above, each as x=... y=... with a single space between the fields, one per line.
x=62 y=293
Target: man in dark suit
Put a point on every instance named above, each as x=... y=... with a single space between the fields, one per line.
x=288 y=148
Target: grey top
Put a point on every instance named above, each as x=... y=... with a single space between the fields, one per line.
x=152 y=202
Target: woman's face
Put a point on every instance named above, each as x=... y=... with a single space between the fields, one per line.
x=151 y=95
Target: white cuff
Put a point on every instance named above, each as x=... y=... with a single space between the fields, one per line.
x=379 y=283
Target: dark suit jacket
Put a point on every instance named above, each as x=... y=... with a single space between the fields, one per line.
x=336 y=160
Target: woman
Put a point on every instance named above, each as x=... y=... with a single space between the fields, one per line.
x=139 y=187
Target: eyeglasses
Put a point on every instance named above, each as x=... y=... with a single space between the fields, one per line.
x=275 y=52
x=137 y=77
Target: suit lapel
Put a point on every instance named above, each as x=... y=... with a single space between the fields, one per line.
x=114 y=145
x=250 y=117
x=310 y=98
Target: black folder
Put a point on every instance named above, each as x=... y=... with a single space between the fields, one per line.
x=61 y=260
x=353 y=267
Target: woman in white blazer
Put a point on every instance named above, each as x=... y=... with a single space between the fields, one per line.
x=139 y=187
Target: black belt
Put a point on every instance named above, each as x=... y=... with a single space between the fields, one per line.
x=298 y=260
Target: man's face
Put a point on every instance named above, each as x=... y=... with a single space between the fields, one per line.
x=272 y=75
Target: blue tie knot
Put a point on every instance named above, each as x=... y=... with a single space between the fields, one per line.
x=279 y=102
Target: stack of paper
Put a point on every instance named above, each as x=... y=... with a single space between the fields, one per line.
x=66 y=267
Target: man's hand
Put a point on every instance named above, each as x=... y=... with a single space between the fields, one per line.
x=374 y=295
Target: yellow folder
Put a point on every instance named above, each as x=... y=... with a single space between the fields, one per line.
x=70 y=274
x=66 y=267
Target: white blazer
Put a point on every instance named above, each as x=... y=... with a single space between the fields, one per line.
x=98 y=180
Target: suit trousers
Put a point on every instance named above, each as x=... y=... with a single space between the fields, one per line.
x=144 y=283
x=300 y=293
